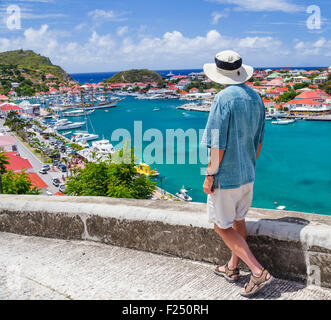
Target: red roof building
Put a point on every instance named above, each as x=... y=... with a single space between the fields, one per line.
x=8 y=107
x=36 y=181
x=310 y=95
x=17 y=163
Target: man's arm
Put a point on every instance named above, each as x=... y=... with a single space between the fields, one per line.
x=216 y=157
x=259 y=150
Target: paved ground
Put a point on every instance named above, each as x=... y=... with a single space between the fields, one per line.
x=39 y=268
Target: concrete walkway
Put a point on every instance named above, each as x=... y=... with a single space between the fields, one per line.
x=40 y=268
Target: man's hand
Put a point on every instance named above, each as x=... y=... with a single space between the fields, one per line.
x=208 y=185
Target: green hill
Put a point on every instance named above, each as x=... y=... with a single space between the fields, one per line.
x=136 y=75
x=31 y=61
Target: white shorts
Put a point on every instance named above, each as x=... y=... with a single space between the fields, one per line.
x=225 y=206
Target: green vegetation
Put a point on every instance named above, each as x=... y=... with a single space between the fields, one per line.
x=18 y=183
x=136 y=75
x=28 y=70
x=3 y=170
x=113 y=178
x=298 y=86
x=14 y=183
x=327 y=85
x=287 y=96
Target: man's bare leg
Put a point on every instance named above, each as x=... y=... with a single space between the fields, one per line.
x=240 y=227
x=238 y=245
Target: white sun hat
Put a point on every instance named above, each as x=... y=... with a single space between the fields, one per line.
x=228 y=69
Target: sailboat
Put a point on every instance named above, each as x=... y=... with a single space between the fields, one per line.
x=84 y=136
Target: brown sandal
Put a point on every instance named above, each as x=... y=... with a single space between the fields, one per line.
x=257 y=283
x=228 y=274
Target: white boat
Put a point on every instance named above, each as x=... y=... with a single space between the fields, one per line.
x=156 y=109
x=66 y=133
x=77 y=113
x=65 y=124
x=289 y=121
x=278 y=115
x=182 y=194
x=84 y=136
x=103 y=147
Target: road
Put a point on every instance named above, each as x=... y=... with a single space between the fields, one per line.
x=36 y=163
x=40 y=268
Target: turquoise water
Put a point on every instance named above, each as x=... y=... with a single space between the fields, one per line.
x=293 y=170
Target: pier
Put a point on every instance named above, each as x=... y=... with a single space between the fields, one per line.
x=195 y=107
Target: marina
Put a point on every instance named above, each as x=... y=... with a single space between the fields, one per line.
x=282 y=166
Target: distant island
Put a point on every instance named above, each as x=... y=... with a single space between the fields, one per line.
x=136 y=75
x=28 y=72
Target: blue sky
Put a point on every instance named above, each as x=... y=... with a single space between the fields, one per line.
x=112 y=35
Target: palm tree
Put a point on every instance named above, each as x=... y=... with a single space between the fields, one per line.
x=3 y=169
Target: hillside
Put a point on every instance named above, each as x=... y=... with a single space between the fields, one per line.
x=32 y=61
x=135 y=75
x=30 y=72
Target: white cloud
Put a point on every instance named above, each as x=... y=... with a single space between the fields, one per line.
x=216 y=16
x=105 y=51
x=121 y=31
x=110 y=15
x=264 y=5
x=321 y=47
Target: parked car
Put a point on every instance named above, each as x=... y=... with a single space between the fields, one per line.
x=62 y=188
x=56 y=163
x=43 y=171
x=46 y=167
x=48 y=193
x=56 y=182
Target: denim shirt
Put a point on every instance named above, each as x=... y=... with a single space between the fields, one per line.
x=235 y=124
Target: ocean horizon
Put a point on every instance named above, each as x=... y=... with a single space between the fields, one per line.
x=95 y=77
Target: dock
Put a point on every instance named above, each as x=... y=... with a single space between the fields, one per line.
x=195 y=107
x=326 y=117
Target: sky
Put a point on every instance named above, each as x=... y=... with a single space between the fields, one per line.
x=114 y=35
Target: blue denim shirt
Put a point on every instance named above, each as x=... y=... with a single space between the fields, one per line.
x=235 y=124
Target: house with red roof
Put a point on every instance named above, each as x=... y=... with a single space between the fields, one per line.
x=3 y=98
x=17 y=163
x=313 y=95
x=5 y=108
x=37 y=181
x=50 y=76
x=194 y=90
x=267 y=103
x=308 y=106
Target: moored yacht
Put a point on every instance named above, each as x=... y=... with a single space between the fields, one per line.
x=65 y=124
x=103 y=147
x=77 y=113
x=84 y=136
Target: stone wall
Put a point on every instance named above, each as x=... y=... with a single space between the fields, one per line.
x=291 y=245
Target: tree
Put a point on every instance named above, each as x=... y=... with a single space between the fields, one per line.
x=18 y=183
x=3 y=162
x=287 y=96
x=117 y=178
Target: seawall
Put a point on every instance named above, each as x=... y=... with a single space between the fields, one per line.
x=291 y=245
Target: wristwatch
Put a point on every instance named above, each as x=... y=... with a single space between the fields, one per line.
x=209 y=175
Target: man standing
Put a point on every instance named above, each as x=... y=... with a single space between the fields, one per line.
x=234 y=134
